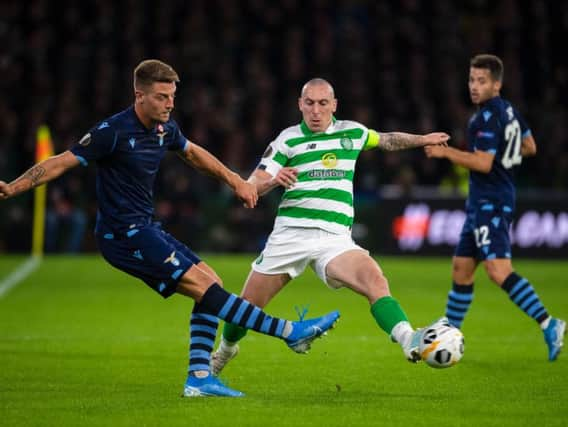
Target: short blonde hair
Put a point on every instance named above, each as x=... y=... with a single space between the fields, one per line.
x=153 y=70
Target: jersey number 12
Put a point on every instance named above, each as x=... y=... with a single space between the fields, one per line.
x=512 y=155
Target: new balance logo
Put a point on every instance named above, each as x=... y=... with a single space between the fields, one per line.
x=312 y=146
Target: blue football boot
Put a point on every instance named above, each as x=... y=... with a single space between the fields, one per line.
x=305 y=331
x=208 y=386
x=554 y=337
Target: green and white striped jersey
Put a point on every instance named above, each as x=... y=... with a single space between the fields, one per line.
x=323 y=195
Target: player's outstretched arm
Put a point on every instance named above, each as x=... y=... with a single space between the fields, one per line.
x=39 y=174
x=264 y=182
x=393 y=141
x=479 y=161
x=202 y=160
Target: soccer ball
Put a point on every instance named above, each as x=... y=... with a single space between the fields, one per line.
x=442 y=346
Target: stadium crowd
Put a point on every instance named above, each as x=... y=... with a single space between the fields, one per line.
x=395 y=65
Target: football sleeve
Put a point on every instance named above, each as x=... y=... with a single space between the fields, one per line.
x=95 y=144
x=179 y=141
x=487 y=136
x=525 y=130
x=274 y=157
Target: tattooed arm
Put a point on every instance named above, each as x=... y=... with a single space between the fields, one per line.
x=39 y=174
x=393 y=141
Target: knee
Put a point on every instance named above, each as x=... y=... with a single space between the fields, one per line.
x=461 y=274
x=496 y=275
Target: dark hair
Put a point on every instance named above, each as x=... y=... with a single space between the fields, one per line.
x=151 y=71
x=490 y=62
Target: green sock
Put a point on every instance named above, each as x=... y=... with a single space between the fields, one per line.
x=233 y=333
x=387 y=313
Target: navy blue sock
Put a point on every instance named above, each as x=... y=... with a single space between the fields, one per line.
x=459 y=300
x=233 y=309
x=523 y=295
x=203 y=330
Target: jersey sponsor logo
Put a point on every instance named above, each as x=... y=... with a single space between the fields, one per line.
x=346 y=143
x=323 y=173
x=267 y=152
x=329 y=160
x=132 y=142
x=103 y=125
x=482 y=134
x=86 y=140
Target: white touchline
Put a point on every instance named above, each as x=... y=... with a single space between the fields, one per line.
x=18 y=275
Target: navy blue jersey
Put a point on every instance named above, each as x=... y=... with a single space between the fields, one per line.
x=496 y=128
x=128 y=156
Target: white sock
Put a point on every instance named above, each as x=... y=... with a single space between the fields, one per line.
x=287 y=329
x=200 y=374
x=402 y=333
x=545 y=322
x=226 y=346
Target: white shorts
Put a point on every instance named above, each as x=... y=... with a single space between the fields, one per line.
x=290 y=250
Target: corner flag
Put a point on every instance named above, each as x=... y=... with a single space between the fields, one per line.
x=44 y=150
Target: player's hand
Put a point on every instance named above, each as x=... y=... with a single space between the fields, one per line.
x=286 y=177
x=436 y=138
x=247 y=193
x=5 y=190
x=436 y=151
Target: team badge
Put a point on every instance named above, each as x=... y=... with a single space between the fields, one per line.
x=329 y=160
x=132 y=142
x=86 y=140
x=346 y=143
x=161 y=133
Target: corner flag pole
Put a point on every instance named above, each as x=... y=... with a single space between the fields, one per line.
x=44 y=150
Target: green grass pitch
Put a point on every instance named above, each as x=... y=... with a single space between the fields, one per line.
x=82 y=344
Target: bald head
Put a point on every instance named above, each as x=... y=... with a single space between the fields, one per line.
x=318 y=82
x=317 y=103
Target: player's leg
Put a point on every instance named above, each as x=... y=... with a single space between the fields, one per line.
x=356 y=270
x=259 y=289
x=464 y=264
x=461 y=294
x=522 y=293
x=214 y=300
x=202 y=331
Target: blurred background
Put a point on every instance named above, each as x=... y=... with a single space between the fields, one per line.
x=395 y=65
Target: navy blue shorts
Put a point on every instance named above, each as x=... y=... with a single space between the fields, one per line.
x=150 y=254
x=485 y=233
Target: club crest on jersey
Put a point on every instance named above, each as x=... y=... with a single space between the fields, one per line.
x=346 y=143
x=329 y=160
x=161 y=133
x=172 y=258
x=132 y=142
